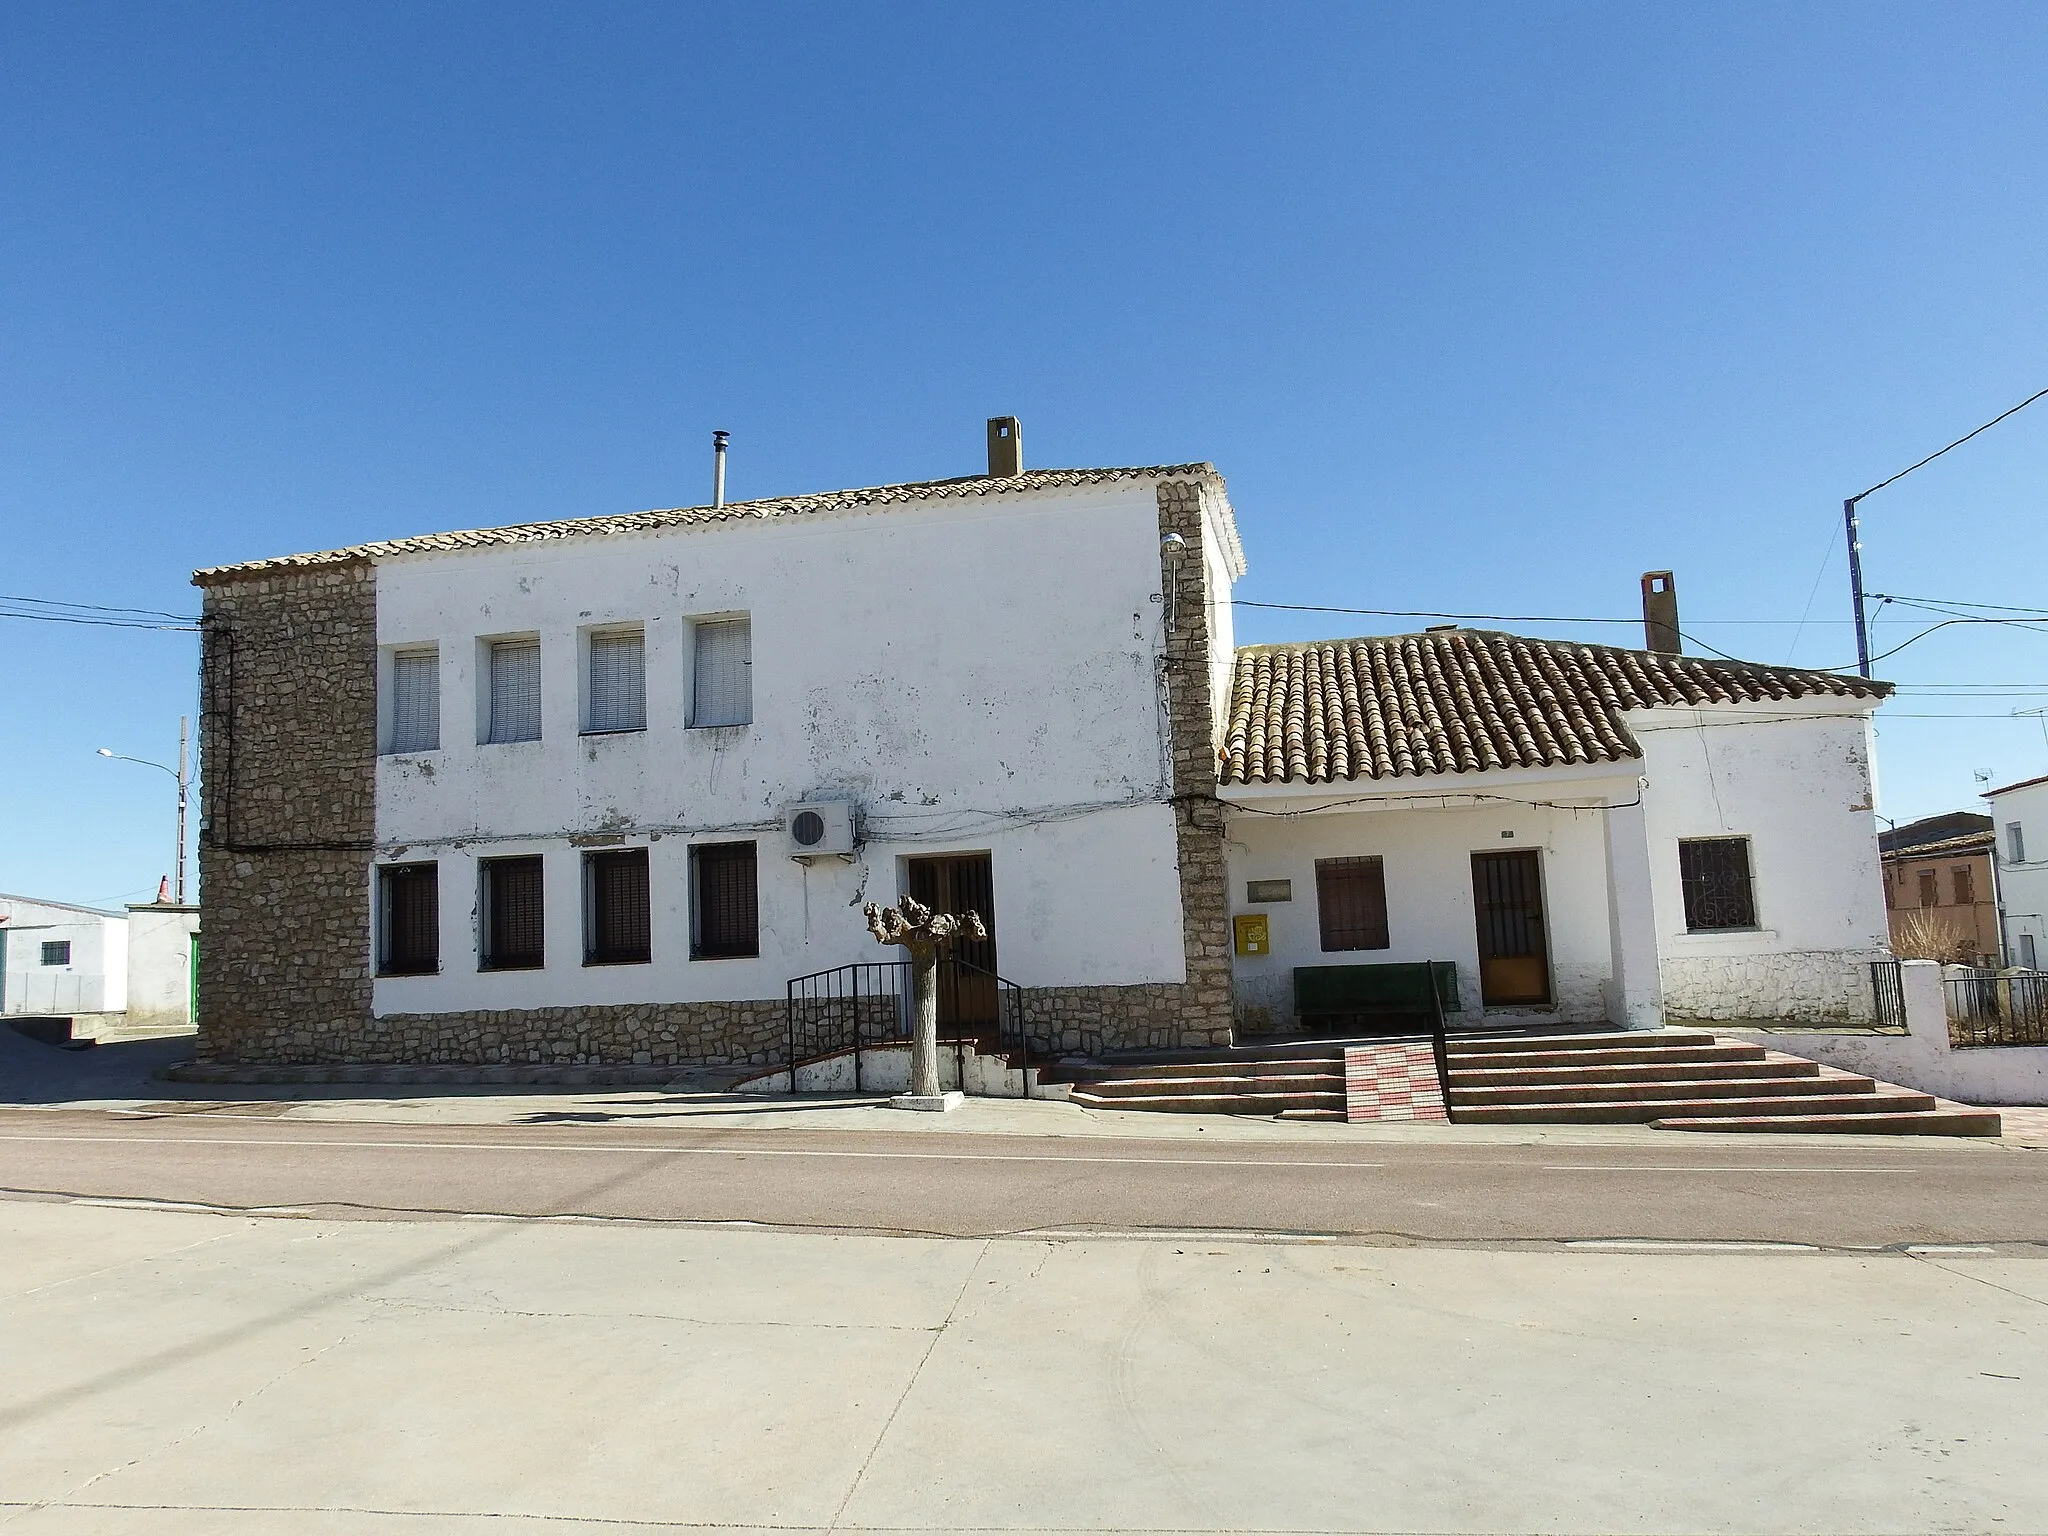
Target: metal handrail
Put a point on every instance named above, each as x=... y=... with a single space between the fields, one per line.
x=839 y=1008
x=1439 y=1046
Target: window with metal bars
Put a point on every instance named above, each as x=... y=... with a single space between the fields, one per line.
x=615 y=907
x=515 y=690
x=56 y=951
x=514 y=924
x=408 y=919
x=1714 y=877
x=1351 y=903
x=618 y=681
x=415 y=701
x=722 y=690
x=725 y=913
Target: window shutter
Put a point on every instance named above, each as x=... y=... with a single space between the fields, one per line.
x=618 y=682
x=515 y=925
x=515 y=690
x=412 y=920
x=1351 y=903
x=724 y=692
x=416 y=701
x=727 y=901
x=618 y=916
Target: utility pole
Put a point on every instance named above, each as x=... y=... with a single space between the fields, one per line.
x=1851 y=529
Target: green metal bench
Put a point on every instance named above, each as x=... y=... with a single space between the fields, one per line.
x=1394 y=989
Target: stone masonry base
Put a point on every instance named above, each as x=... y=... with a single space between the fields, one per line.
x=753 y=1033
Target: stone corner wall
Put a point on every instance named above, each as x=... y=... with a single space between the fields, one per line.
x=1205 y=1007
x=287 y=751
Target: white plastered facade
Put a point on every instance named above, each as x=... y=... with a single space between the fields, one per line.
x=974 y=674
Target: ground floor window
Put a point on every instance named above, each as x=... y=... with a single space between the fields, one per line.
x=615 y=908
x=56 y=952
x=725 y=910
x=408 y=920
x=1351 y=903
x=513 y=928
x=1714 y=875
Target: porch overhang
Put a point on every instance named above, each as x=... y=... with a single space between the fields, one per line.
x=1572 y=786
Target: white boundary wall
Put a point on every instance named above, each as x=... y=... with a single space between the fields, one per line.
x=1923 y=1058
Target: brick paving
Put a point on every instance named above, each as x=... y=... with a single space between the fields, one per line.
x=1394 y=1081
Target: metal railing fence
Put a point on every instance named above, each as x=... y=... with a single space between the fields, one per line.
x=1987 y=1008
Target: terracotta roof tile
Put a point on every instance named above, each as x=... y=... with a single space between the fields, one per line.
x=731 y=512
x=1948 y=847
x=1467 y=701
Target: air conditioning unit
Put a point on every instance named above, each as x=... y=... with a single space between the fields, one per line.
x=817 y=828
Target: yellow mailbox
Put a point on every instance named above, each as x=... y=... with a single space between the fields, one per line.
x=1252 y=935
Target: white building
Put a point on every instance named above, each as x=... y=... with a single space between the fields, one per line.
x=59 y=960
x=2019 y=814
x=1587 y=833
x=599 y=790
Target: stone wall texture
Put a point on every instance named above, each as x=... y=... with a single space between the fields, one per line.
x=1206 y=1006
x=288 y=740
x=1808 y=986
x=734 y=1034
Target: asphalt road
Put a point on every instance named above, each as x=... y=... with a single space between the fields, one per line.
x=1914 y=1191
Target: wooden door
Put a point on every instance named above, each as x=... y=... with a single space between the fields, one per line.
x=1507 y=901
x=962 y=882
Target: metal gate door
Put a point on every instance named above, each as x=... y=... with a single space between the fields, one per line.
x=963 y=882
x=1507 y=901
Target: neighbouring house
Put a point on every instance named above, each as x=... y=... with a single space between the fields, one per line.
x=2019 y=816
x=1940 y=888
x=129 y=970
x=599 y=790
x=59 y=960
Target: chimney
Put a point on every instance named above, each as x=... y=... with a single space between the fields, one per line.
x=1660 y=613
x=718 y=441
x=1005 y=448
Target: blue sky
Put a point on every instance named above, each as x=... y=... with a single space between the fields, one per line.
x=1481 y=309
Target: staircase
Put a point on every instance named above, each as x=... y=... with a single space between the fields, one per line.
x=1683 y=1080
x=1293 y=1082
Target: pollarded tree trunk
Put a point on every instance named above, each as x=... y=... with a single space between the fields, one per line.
x=924 y=933
x=924 y=1030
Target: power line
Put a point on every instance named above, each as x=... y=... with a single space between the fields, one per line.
x=1994 y=421
x=71 y=618
x=51 y=602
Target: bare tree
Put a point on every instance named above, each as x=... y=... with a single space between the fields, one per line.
x=924 y=933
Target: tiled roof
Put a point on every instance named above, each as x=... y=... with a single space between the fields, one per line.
x=1972 y=842
x=2006 y=789
x=1465 y=701
x=734 y=511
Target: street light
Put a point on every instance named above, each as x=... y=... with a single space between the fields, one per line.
x=184 y=790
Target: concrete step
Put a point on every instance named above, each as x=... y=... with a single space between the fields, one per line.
x=1667 y=1089
x=1253 y=1103
x=1312 y=1114
x=1250 y=1066
x=1773 y=1065
x=1165 y=1085
x=1878 y=1102
x=1614 y=1056
x=1593 y=1040
x=1947 y=1120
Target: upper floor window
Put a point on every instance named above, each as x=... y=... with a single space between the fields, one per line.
x=723 y=691
x=514 y=681
x=56 y=952
x=415 y=700
x=408 y=920
x=1351 y=903
x=2015 y=843
x=1930 y=890
x=1713 y=874
x=618 y=681
x=1966 y=886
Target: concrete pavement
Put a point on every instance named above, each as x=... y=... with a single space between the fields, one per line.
x=169 y=1374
